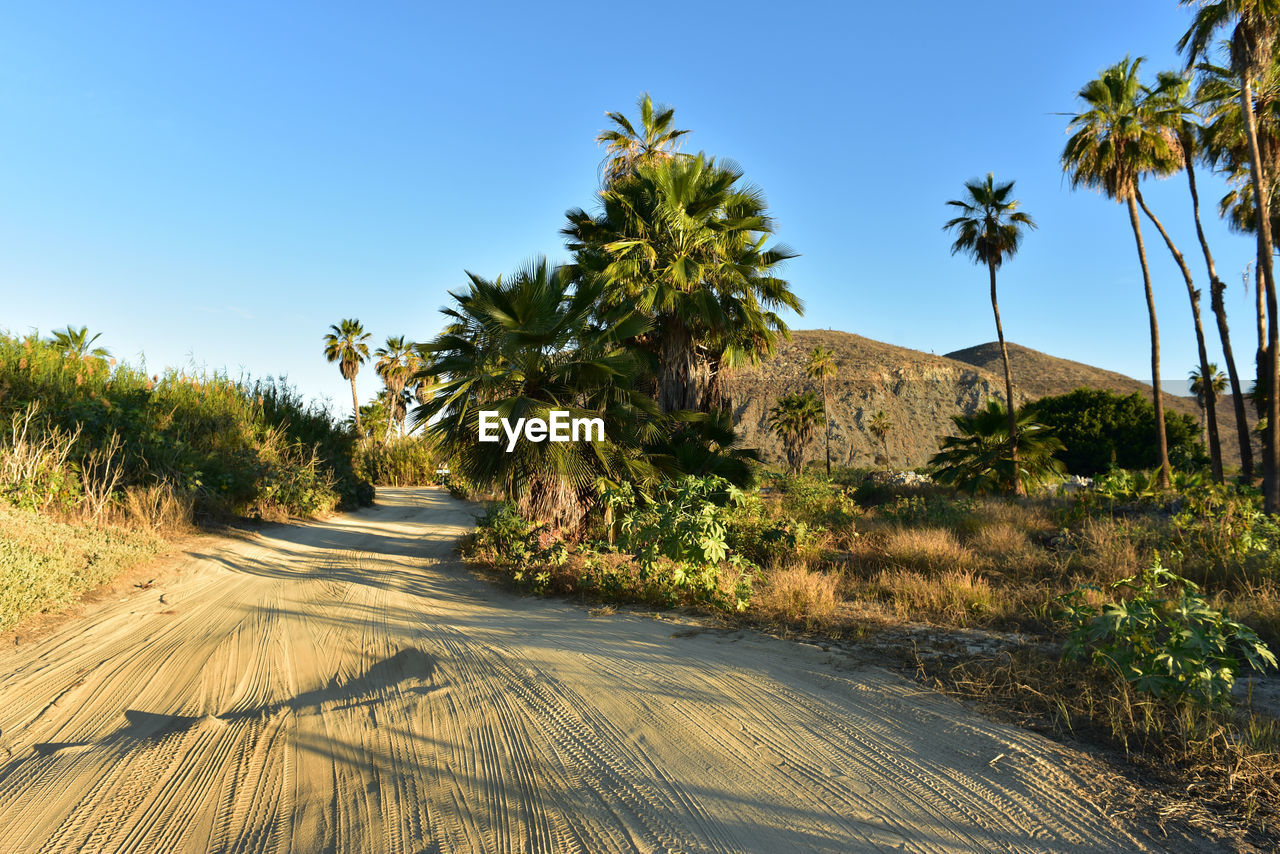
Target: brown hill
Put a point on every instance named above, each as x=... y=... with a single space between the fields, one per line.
x=918 y=391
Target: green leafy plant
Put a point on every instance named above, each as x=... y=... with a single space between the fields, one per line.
x=978 y=459
x=1165 y=640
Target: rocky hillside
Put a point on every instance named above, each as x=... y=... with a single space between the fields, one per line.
x=919 y=393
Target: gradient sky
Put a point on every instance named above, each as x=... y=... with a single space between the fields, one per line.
x=213 y=184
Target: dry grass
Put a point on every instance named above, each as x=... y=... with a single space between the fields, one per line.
x=798 y=594
x=954 y=597
x=928 y=550
x=1230 y=757
x=158 y=509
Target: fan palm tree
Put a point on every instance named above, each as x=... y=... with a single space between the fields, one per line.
x=975 y=459
x=1170 y=114
x=1253 y=24
x=522 y=347
x=76 y=343
x=1206 y=392
x=880 y=425
x=394 y=366
x=989 y=229
x=794 y=419
x=1114 y=142
x=822 y=366
x=683 y=243
x=346 y=344
x=626 y=148
x=1208 y=141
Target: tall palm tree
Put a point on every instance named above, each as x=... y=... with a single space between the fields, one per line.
x=821 y=367
x=989 y=229
x=525 y=345
x=794 y=418
x=880 y=425
x=76 y=343
x=626 y=147
x=1170 y=114
x=1206 y=392
x=346 y=344
x=1254 y=24
x=1195 y=142
x=1113 y=143
x=682 y=242
x=394 y=366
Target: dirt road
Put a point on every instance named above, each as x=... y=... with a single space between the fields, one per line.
x=346 y=686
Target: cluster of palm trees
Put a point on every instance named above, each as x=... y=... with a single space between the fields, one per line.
x=672 y=284
x=1226 y=116
x=398 y=364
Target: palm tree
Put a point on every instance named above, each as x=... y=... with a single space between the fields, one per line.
x=1206 y=392
x=794 y=419
x=627 y=148
x=1113 y=143
x=1170 y=115
x=345 y=344
x=821 y=366
x=989 y=229
x=1200 y=141
x=1254 y=25
x=975 y=460
x=683 y=243
x=880 y=425
x=394 y=366
x=76 y=343
x=525 y=345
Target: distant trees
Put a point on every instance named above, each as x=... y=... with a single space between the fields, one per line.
x=880 y=425
x=346 y=344
x=395 y=366
x=1101 y=430
x=1206 y=392
x=794 y=419
x=822 y=366
x=989 y=228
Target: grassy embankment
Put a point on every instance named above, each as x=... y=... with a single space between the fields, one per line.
x=99 y=464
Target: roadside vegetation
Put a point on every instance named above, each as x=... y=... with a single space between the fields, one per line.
x=1117 y=576
x=101 y=463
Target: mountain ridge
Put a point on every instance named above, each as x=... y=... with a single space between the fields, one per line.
x=920 y=392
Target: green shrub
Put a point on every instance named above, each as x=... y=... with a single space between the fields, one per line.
x=1101 y=430
x=407 y=461
x=1165 y=640
x=241 y=447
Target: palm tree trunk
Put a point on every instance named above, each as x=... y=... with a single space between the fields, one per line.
x=355 y=404
x=1010 y=404
x=1270 y=475
x=1216 y=289
x=1210 y=409
x=827 y=418
x=1162 y=443
x=681 y=377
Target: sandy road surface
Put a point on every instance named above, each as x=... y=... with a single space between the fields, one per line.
x=345 y=686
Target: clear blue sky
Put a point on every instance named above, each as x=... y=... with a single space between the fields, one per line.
x=215 y=183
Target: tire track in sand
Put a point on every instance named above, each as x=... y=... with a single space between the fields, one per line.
x=344 y=685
